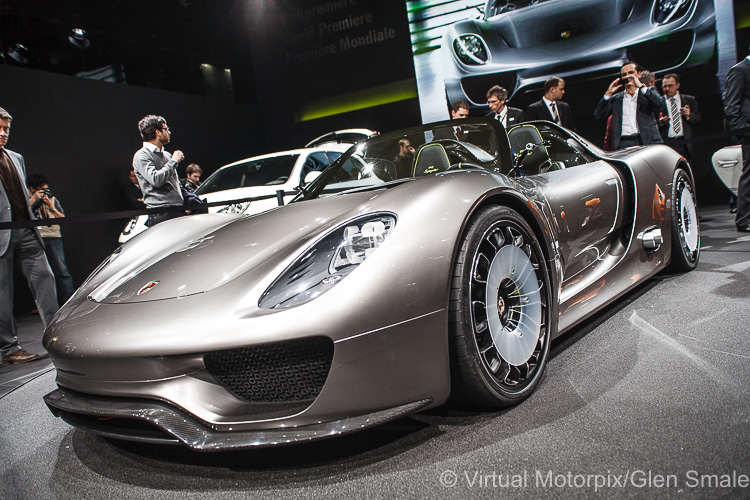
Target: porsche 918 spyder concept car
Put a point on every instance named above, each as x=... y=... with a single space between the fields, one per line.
x=518 y=45
x=387 y=286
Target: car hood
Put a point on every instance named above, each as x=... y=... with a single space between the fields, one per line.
x=197 y=254
x=557 y=20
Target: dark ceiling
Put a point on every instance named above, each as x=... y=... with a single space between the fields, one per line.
x=158 y=43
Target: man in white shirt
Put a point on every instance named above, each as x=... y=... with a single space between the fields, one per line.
x=633 y=122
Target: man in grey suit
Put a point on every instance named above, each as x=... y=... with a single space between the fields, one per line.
x=737 y=111
x=23 y=246
x=633 y=122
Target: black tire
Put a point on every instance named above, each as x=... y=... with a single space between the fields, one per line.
x=686 y=232
x=498 y=253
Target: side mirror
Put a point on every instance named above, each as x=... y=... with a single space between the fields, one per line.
x=311 y=176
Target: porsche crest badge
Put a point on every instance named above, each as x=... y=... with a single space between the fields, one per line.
x=147 y=287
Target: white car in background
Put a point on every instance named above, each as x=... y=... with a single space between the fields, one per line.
x=346 y=136
x=256 y=177
x=727 y=163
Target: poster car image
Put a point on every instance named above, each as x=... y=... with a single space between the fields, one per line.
x=387 y=286
x=518 y=45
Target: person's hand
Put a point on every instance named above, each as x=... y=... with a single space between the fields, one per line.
x=663 y=118
x=178 y=156
x=38 y=195
x=613 y=87
x=49 y=201
x=686 y=111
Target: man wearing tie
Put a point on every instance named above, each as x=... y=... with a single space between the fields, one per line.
x=506 y=115
x=551 y=107
x=682 y=114
x=21 y=247
x=459 y=110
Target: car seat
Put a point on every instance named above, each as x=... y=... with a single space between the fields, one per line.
x=536 y=162
x=431 y=158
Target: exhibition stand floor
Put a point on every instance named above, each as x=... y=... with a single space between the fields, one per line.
x=650 y=398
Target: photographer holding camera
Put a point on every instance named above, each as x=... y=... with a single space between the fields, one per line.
x=46 y=206
x=633 y=122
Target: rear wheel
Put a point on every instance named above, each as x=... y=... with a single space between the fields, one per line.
x=686 y=233
x=500 y=311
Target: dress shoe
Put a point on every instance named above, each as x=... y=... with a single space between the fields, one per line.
x=732 y=210
x=744 y=228
x=20 y=356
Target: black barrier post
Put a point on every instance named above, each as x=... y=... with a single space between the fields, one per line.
x=280 y=197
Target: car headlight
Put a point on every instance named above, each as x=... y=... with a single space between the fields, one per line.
x=471 y=49
x=666 y=11
x=234 y=208
x=328 y=262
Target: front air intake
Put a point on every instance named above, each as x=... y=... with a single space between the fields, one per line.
x=289 y=371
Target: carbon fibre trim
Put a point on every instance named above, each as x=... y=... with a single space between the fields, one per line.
x=178 y=427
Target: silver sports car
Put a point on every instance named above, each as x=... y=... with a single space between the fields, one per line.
x=390 y=284
x=519 y=44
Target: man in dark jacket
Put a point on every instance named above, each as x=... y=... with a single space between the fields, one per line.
x=633 y=122
x=551 y=107
x=737 y=111
x=682 y=114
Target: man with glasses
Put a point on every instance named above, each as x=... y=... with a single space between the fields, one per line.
x=506 y=115
x=156 y=169
x=682 y=113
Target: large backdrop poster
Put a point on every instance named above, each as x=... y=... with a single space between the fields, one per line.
x=324 y=64
x=462 y=48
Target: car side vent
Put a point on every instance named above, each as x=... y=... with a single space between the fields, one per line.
x=293 y=370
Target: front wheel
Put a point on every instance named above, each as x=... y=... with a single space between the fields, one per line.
x=686 y=231
x=500 y=311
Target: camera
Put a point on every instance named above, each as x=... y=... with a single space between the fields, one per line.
x=47 y=192
x=624 y=81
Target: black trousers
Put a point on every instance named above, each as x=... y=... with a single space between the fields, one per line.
x=157 y=218
x=743 y=189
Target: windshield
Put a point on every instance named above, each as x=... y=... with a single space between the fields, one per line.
x=254 y=172
x=416 y=152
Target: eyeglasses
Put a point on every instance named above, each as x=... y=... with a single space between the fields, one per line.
x=166 y=128
x=667 y=85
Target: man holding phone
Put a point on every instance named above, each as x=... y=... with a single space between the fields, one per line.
x=633 y=122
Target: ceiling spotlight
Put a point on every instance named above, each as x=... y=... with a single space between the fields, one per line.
x=19 y=53
x=78 y=38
